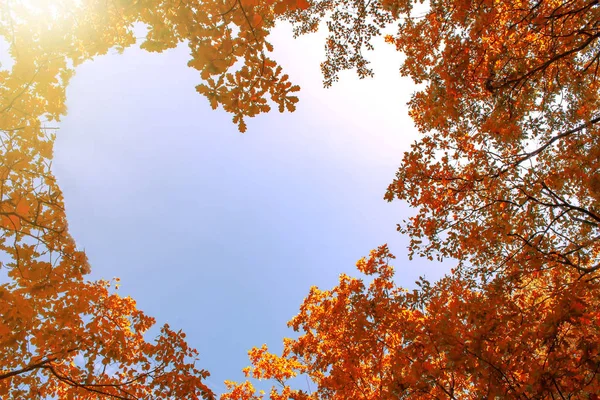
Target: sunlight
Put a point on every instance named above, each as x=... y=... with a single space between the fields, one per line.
x=44 y=11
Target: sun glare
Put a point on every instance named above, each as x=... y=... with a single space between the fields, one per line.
x=47 y=10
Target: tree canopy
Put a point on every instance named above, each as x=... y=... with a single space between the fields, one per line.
x=505 y=180
x=452 y=339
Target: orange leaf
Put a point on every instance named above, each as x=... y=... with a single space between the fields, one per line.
x=256 y=20
x=302 y=4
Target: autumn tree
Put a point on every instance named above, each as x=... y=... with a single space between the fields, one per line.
x=506 y=175
x=61 y=335
x=506 y=169
x=455 y=339
x=504 y=179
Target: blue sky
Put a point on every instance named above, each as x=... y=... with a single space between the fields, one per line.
x=222 y=234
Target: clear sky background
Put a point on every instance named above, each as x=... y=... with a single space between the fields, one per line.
x=219 y=233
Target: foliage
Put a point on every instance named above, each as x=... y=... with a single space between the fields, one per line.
x=63 y=336
x=504 y=179
x=454 y=339
x=506 y=175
